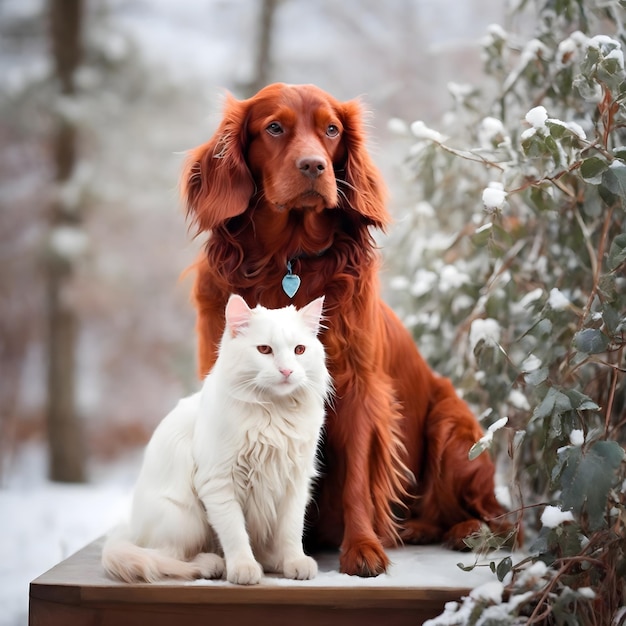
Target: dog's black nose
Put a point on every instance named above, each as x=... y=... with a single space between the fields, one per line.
x=312 y=166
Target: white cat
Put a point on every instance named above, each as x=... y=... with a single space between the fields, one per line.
x=229 y=470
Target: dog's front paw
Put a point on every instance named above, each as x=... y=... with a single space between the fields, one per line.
x=210 y=565
x=244 y=571
x=300 y=568
x=366 y=558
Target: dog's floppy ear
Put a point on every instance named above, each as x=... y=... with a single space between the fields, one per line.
x=365 y=190
x=216 y=183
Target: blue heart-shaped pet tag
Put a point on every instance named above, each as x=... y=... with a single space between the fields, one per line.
x=291 y=284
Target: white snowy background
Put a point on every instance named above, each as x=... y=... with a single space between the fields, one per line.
x=397 y=55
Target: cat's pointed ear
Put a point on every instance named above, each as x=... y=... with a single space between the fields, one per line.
x=237 y=315
x=312 y=314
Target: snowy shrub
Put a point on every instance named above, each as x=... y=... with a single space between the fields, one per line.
x=520 y=297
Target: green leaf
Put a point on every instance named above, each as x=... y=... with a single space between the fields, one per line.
x=587 y=478
x=609 y=288
x=504 y=567
x=542 y=200
x=580 y=401
x=614 y=179
x=609 y=313
x=545 y=407
x=620 y=152
x=540 y=544
x=592 y=169
x=558 y=131
x=478 y=448
x=466 y=568
x=534 y=146
x=610 y=71
x=587 y=87
x=536 y=377
x=591 y=59
x=553 y=148
x=482 y=235
x=554 y=402
x=556 y=427
x=557 y=470
x=591 y=341
x=617 y=252
x=541 y=329
x=608 y=197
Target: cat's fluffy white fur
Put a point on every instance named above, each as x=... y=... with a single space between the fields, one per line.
x=228 y=472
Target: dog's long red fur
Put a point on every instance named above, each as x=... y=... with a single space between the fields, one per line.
x=287 y=177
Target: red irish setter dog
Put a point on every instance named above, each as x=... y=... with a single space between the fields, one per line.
x=286 y=187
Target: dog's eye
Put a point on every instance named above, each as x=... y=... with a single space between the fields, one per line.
x=332 y=130
x=275 y=129
x=299 y=349
x=264 y=349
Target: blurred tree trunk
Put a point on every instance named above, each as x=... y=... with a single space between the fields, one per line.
x=263 y=55
x=65 y=436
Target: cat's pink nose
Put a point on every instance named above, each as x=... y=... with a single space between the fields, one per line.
x=285 y=372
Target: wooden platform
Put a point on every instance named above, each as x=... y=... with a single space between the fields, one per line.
x=77 y=592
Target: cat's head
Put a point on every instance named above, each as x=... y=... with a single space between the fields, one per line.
x=274 y=352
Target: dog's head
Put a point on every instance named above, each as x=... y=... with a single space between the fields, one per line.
x=289 y=147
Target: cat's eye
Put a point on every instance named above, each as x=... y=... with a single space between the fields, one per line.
x=299 y=349
x=264 y=349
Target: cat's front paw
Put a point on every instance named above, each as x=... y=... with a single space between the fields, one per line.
x=210 y=565
x=244 y=572
x=300 y=568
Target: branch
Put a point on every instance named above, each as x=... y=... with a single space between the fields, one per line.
x=597 y=264
x=468 y=155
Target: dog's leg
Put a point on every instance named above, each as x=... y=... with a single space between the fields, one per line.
x=457 y=496
x=362 y=553
x=367 y=424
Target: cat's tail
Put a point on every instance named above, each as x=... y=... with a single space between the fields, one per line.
x=132 y=563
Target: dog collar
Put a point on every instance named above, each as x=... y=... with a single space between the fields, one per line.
x=291 y=282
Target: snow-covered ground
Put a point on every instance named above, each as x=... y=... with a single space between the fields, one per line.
x=41 y=523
